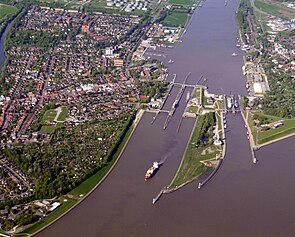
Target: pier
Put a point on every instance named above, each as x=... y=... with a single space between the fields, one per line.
x=158 y=196
x=250 y=138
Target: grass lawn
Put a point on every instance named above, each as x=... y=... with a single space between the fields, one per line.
x=191 y=167
x=47 y=129
x=274 y=133
x=288 y=128
x=274 y=9
x=197 y=92
x=176 y=19
x=49 y=115
x=184 y=3
x=64 y=114
x=192 y=109
x=6 y=10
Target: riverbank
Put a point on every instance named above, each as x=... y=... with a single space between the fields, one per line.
x=80 y=193
x=260 y=138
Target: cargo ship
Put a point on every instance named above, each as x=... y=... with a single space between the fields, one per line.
x=151 y=171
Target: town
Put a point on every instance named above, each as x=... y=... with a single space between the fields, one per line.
x=70 y=89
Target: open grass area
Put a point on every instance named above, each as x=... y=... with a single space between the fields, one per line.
x=184 y=3
x=191 y=168
x=47 y=129
x=64 y=114
x=49 y=115
x=287 y=129
x=7 y=10
x=84 y=188
x=275 y=133
x=275 y=8
x=176 y=19
x=98 y=4
x=192 y=109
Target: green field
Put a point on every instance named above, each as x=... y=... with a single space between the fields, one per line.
x=288 y=128
x=184 y=3
x=275 y=9
x=64 y=114
x=176 y=19
x=274 y=133
x=6 y=10
x=98 y=4
x=49 y=115
x=47 y=129
x=191 y=167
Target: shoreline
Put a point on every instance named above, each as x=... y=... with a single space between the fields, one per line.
x=182 y=160
x=255 y=146
x=135 y=123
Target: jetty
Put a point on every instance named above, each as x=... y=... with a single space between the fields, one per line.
x=158 y=196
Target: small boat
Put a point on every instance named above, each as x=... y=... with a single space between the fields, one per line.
x=229 y=103
x=187 y=96
x=151 y=171
x=234 y=54
x=170 y=61
x=238 y=45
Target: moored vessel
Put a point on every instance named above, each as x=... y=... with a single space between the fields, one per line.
x=187 y=96
x=229 y=103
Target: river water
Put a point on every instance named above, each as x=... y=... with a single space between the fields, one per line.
x=242 y=199
x=2 y=53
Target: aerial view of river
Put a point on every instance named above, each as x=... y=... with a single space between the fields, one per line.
x=243 y=199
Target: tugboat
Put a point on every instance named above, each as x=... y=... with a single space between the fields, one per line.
x=151 y=171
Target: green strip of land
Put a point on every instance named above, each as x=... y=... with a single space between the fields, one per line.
x=81 y=191
x=6 y=10
x=200 y=148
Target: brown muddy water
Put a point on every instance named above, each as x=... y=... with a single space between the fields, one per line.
x=242 y=199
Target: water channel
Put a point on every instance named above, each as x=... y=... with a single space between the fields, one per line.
x=243 y=199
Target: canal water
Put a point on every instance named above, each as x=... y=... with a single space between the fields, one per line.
x=242 y=199
x=2 y=53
